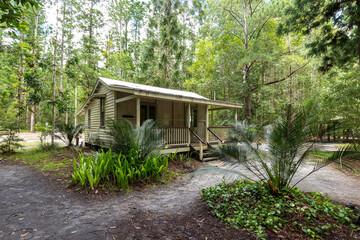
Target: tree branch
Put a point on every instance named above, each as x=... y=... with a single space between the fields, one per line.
x=261 y=28
x=235 y=16
x=282 y=79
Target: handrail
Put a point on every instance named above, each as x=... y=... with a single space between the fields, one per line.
x=214 y=134
x=197 y=136
x=221 y=127
x=175 y=135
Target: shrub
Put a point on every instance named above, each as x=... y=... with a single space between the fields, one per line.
x=69 y=132
x=144 y=141
x=120 y=170
x=289 y=145
x=46 y=145
x=249 y=205
x=39 y=127
x=10 y=141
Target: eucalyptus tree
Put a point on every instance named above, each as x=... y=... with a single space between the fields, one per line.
x=35 y=35
x=90 y=22
x=138 y=12
x=68 y=12
x=251 y=19
x=165 y=47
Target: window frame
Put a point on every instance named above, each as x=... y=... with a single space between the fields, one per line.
x=102 y=112
x=89 y=118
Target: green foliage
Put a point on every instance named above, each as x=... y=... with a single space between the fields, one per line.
x=249 y=205
x=333 y=25
x=9 y=140
x=120 y=170
x=11 y=13
x=69 y=132
x=45 y=145
x=139 y=143
x=289 y=145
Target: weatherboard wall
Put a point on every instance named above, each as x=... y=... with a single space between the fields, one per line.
x=96 y=134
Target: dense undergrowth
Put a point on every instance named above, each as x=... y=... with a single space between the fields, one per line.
x=249 y=205
x=103 y=168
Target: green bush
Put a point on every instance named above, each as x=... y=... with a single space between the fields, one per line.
x=69 y=132
x=39 y=127
x=145 y=141
x=249 y=205
x=9 y=141
x=120 y=170
x=45 y=143
x=290 y=143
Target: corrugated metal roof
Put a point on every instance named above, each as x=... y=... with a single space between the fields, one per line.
x=147 y=88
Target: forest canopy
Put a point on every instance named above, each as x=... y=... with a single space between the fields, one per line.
x=263 y=54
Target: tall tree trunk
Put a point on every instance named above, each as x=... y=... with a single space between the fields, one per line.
x=54 y=83
x=32 y=106
x=20 y=84
x=167 y=48
x=248 y=105
x=62 y=58
x=75 y=114
x=108 y=53
x=248 y=94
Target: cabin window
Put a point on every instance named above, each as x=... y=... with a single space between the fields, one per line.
x=89 y=118
x=102 y=112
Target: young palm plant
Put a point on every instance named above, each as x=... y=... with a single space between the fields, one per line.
x=289 y=145
x=139 y=143
x=69 y=132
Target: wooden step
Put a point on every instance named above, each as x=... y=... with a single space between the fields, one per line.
x=209 y=159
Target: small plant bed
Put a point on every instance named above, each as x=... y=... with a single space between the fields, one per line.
x=289 y=214
x=117 y=171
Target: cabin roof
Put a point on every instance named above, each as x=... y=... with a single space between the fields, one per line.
x=147 y=88
x=154 y=92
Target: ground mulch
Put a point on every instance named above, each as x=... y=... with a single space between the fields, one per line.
x=195 y=223
x=198 y=223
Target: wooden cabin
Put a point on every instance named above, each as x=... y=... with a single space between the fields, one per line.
x=183 y=116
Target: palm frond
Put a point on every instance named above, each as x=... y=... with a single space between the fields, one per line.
x=128 y=140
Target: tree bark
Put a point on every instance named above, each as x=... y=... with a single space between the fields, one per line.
x=75 y=115
x=248 y=105
x=32 y=106
x=62 y=58
x=54 y=83
x=20 y=85
x=249 y=93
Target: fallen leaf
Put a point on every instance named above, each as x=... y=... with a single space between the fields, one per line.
x=113 y=227
x=20 y=219
x=24 y=235
x=74 y=231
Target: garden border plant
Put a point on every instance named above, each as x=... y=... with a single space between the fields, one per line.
x=248 y=205
x=259 y=202
x=133 y=157
x=103 y=168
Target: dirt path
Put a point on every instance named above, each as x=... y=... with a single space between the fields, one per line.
x=31 y=207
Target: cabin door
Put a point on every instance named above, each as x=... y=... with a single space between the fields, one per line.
x=147 y=111
x=194 y=122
